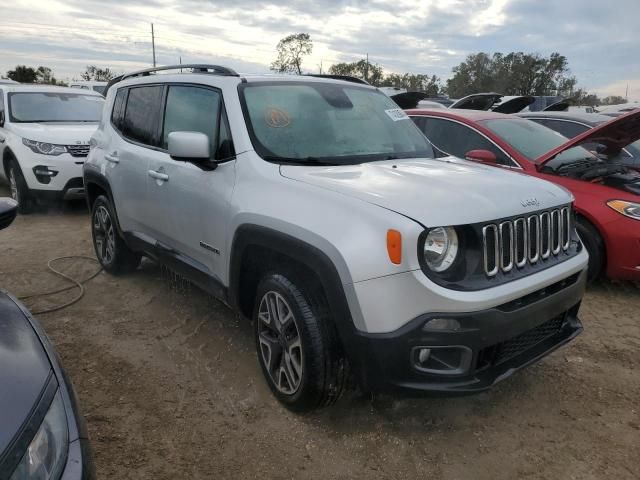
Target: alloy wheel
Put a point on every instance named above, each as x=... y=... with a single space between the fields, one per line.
x=13 y=183
x=104 y=235
x=280 y=344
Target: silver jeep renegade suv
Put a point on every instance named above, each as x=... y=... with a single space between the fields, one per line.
x=314 y=206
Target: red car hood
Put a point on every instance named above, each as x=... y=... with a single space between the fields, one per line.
x=614 y=135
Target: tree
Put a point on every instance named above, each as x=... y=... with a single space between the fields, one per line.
x=98 y=74
x=291 y=50
x=371 y=72
x=516 y=73
x=613 y=100
x=413 y=82
x=23 y=74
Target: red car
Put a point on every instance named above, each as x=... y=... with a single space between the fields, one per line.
x=607 y=196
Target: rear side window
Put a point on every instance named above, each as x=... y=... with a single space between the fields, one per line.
x=142 y=114
x=1 y=101
x=117 y=115
x=456 y=139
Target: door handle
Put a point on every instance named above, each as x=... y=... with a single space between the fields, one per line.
x=112 y=157
x=158 y=175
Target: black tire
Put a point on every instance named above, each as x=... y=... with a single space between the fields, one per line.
x=111 y=250
x=19 y=190
x=595 y=246
x=324 y=371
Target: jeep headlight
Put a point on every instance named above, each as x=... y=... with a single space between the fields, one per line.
x=440 y=248
x=46 y=455
x=626 y=208
x=44 y=148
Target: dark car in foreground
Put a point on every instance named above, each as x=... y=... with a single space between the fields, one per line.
x=572 y=124
x=42 y=434
x=607 y=195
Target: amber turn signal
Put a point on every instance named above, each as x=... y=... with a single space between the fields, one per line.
x=394 y=246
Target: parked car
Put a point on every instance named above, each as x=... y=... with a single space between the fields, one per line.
x=494 y=101
x=607 y=195
x=43 y=434
x=315 y=207
x=44 y=140
x=94 y=85
x=570 y=124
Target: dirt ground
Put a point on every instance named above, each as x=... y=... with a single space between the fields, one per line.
x=170 y=386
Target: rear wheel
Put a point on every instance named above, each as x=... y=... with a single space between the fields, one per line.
x=595 y=246
x=19 y=190
x=298 y=349
x=113 y=253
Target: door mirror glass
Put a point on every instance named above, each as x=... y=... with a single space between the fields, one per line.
x=482 y=156
x=8 y=212
x=189 y=146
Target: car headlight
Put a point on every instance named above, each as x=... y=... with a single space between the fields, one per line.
x=44 y=148
x=47 y=452
x=628 y=209
x=440 y=248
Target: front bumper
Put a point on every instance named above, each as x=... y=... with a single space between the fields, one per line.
x=622 y=239
x=501 y=340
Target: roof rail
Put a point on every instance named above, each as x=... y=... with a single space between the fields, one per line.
x=346 y=78
x=195 y=68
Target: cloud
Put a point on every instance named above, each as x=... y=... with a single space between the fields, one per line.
x=420 y=36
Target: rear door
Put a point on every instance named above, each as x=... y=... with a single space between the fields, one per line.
x=189 y=204
x=136 y=118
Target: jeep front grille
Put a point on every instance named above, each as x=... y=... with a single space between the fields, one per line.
x=525 y=240
x=78 y=150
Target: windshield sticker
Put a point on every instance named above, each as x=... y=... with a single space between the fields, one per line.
x=277 y=118
x=397 y=114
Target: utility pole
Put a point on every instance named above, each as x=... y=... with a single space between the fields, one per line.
x=626 y=95
x=181 y=63
x=153 y=45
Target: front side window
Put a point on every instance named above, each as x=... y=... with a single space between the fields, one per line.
x=533 y=140
x=141 y=114
x=316 y=121
x=38 y=107
x=192 y=109
x=456 y=139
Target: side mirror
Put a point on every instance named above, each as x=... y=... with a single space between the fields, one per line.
x=190 y=146
x=8 y=212
x=482 y=156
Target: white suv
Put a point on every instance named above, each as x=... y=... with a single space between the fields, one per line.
x=44 y=140
x=314 y=206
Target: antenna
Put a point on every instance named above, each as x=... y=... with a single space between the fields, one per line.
x=153 y=45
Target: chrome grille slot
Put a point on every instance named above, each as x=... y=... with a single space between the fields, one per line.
x=78 y=150
x=566 y=228
x=491 y=253
x=533 y=227
x=545 y=235
x=521 y=243
x=525 y=240
x=556 y=232
x=506 y=246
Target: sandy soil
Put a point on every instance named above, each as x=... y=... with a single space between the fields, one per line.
x=170 y=386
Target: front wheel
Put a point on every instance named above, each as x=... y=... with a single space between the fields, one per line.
x=298 y=349
x=113 y=253
x=595 y=247
x=19 y=190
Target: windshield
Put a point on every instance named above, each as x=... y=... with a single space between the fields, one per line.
x=55 y=107
x=534 y=140
x=328 y=122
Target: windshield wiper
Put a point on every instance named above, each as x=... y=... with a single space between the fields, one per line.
x=300 y=161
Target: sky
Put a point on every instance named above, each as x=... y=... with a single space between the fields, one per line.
x=420 y=36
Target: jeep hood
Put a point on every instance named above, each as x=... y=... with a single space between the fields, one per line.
x=56 y=133
x=614 y=135
x=434 y=192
